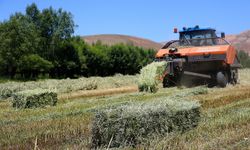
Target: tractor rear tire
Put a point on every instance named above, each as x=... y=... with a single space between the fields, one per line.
x=222 y=79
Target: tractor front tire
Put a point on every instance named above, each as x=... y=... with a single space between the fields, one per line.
x=222 y=79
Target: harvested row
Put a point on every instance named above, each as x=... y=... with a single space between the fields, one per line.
x=221 y=97
x=68 y=85
x=136 y=123
x=34 y=98
x=102 y=92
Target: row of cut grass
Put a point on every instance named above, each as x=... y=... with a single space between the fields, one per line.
x=224 y=124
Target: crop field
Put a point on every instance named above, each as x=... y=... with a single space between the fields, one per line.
x=224 y=114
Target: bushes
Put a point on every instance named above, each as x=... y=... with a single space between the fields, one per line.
x=34 y=98
x=135 y=123
x=150 y=76
x=31 y=65
x=103 y=60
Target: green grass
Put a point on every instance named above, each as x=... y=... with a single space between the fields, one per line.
x=225 y=120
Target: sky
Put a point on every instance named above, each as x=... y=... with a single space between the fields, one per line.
x=150 y=19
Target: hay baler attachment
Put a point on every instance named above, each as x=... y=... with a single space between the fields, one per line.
x=199 y=56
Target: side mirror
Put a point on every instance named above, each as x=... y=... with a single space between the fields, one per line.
x=223 y=35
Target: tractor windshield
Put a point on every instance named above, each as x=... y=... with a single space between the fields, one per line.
x=197 y=35
x=200 y=38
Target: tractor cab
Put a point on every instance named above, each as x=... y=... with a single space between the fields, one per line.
x=198 y=37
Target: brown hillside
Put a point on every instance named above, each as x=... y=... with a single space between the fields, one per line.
x=241 y=41
x=111 y=39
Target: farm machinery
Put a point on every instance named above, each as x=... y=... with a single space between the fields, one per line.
x=199 y=56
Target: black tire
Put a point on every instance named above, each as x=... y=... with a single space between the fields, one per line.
x=234 y=77
x=168 y=82
x=212 y=82
x=222 y=79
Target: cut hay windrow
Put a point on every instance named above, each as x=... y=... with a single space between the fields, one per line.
x=150 y=76
x=34 y=98
x=137 y=123
x=68 y=85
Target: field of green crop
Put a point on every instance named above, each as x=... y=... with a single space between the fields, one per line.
x=224 y=124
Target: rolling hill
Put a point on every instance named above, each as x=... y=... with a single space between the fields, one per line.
x=111 y=39
x=241 y=41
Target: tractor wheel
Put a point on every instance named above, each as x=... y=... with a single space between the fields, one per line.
x=234 y=77
x=168 y=82
x=222 y=79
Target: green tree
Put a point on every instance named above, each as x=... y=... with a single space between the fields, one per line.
x=97 y=60
x=33 y=14
x=128 y=59
x=56 y=27
x=80 y=47
x=66 y=61
x=18 y=37
x=32 y=65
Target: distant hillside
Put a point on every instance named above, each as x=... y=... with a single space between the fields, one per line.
x=241 y=41
x=111 y=39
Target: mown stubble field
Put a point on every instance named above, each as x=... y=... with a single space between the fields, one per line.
x=224 y=124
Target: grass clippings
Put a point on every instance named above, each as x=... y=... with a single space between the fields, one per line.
x=150 y=76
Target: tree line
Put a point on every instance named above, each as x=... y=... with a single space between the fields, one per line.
x=42 y=43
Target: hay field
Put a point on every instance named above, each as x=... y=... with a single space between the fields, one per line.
x=64 y=86
x=224 y=124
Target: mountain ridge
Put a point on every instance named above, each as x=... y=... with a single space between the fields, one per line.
x=111 y=39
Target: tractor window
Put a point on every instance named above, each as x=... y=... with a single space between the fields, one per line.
x=197 y=35
x=198 y=38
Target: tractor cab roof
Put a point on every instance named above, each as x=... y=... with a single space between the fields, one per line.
x=196 y=28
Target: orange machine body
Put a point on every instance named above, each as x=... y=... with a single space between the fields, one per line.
x=199 y=56
x=227 y=50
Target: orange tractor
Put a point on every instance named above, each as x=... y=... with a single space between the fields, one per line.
x=198 y=57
